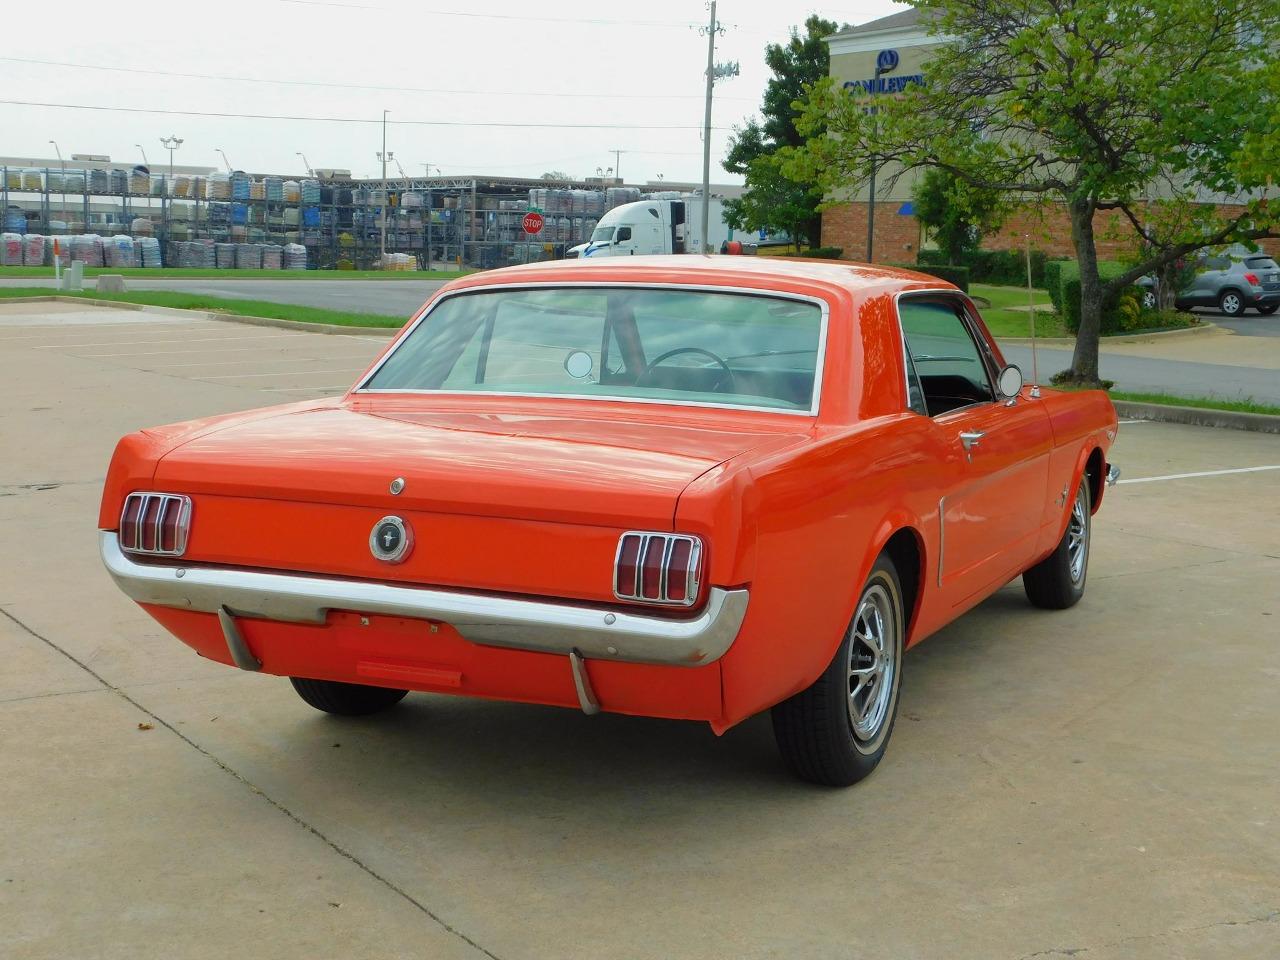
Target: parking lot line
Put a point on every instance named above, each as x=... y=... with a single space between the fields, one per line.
x=277 y=373
x=177 y=339
x=1202 y=473
x=162 y=366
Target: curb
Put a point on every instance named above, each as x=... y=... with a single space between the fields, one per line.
x=299 y=325
x=1198 y=416
x=1198 y=330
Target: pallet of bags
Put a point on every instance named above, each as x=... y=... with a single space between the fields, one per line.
x=295 y=256
x=10 y=249
x=140 y=180
x=248 y=256
x=309 y=190
x=240 y=185
x=99 y=181
x=272 y=256
x=31 y=179
x=33 y=250
x=257 y=190
x=292 y=191
x=224 y=256
x=119 y=181
x=146 y=251
x=13 y=178
x=117 y=251
x=86 y=248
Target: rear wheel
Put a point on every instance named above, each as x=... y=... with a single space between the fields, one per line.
x=1231 y=303
x=1269 y=309
x=835 y=732
x=1057 y=581
x=346 y=699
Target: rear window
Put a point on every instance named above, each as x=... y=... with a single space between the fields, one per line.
x=679 y=346
x=1261 y=263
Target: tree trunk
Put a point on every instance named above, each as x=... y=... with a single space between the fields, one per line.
x=1084 y=362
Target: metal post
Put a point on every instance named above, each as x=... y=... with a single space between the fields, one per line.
x=1031 y=303
x=871 y=194
x=170 y=143
x=383 y=208
x=706 y=125
x=63 y=164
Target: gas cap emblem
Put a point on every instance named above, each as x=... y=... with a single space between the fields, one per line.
x=391 y=540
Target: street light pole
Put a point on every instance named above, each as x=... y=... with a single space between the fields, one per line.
x=384 y=157
x=871 y=194
x=224 y=158
x=170 y=143
x=310 y=172
x=145 y=162
x=63 y=164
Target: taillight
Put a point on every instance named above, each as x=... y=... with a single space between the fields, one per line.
x=155 y=523
x=1251 y=279
x=657 y=568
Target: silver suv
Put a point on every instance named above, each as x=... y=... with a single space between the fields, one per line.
x=1230 y=283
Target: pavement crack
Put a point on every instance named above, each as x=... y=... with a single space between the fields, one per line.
x=279 y=807
x=1271 y=917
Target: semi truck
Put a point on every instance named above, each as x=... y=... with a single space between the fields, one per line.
x=660 y=226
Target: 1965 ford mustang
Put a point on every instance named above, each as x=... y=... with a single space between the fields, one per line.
x=686 y=487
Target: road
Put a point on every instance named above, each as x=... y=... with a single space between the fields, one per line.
x=1098 y=782
x=400 y=298
x=396 y=298
x=1154 y=375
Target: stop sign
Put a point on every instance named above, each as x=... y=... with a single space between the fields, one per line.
x=532 y=223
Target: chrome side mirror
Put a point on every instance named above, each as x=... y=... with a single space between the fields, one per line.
x=578 y=364
x=1010 y=381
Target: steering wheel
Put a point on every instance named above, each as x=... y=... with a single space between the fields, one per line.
x=726 y=377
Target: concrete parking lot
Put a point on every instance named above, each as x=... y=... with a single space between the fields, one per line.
x=1099 y=783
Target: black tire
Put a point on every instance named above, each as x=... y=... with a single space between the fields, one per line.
x=1269 y=309
x=346 y=699
x=815 y=729
x=1055 y=583
x=1231 y=303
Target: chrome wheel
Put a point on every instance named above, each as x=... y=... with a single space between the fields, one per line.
x=1149 y=300
x=1230 y=304
x=873 y=663
x=1078 y=536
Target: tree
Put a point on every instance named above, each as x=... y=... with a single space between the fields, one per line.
x=1091 y=104
x=556 y=175
x=774 y=200
x=957 y=213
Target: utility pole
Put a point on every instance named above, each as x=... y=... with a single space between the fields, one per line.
x=712 y=27
x=881 y=63
x=617 y=162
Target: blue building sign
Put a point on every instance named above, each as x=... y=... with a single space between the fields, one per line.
x=886 y=62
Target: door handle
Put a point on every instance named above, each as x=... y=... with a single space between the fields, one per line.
x=971 y=438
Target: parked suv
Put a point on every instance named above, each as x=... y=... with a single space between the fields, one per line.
x=1229 y=283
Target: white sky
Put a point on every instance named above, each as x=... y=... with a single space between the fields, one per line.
x=633 y=64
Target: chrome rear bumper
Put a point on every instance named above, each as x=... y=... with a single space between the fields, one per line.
x=595 y=632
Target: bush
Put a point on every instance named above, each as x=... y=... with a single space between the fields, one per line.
x=818 y=253
x=1053 y=281
x=1114 y=313
x=1003 y=267
x=950 y=272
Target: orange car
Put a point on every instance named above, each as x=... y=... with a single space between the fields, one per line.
x=687 y=487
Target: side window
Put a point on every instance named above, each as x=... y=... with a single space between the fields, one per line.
x=944 y=357
x=624 y=233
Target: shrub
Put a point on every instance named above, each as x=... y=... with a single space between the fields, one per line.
x=1113 y=312
x=1003 y=267
x=819 y=253
x=952 y=273
x=1053 y=281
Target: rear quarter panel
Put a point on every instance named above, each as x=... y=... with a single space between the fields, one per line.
x=1081 y=422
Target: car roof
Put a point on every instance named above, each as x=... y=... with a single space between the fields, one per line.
x=859 y=279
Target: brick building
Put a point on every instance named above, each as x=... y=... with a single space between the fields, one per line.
x=900 y=44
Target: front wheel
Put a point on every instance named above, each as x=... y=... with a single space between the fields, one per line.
x=346 y=699
x=835 y=732
x=1057 y=581
x=1149 y=299
x=1231 y=303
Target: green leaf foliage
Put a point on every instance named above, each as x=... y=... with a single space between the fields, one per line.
x=1093 y=104
x=774 y=199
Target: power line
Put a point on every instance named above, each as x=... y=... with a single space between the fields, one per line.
x=403 y=123
x=351 y=86
x=498 y=16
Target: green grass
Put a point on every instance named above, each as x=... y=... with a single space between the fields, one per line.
x=180 y=273
x=1005 y=322
x=1207 y=403
x=228 y=305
